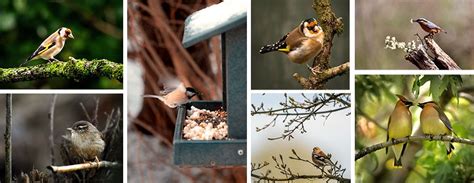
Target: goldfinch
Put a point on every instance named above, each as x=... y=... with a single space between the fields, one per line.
x=52 y=45
x=435 y=122
x=399 y=126
x=176 y=97
x=301 y=44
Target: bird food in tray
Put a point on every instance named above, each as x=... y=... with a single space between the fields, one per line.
x=203 y=124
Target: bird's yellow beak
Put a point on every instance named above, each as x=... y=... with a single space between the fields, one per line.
x=71 y=36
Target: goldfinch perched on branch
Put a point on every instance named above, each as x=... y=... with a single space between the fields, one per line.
x=301 y=44
x=399 y=126
x=435 y=122
x=52 y=45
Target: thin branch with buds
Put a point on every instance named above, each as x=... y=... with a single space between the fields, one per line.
x=334 y=172
x=295 y=114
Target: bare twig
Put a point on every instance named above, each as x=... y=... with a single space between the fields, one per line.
x=8 y=140
x=376 y=147
x=83 y=166
x=294 y=114
x=51 y=127
x=334 y=172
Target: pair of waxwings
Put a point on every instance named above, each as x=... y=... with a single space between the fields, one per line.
x=433 y=122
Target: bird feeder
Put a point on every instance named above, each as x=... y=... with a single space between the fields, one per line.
x=227 y=19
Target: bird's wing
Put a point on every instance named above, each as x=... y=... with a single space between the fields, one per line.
x=47 y=44
x=432 y=25
x=153 y=96
x=444 y=118
x=295 y=38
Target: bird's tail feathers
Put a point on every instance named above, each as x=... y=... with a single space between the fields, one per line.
x=449 y=149
x=274 y=47
x=398 y=163
x=154 y=96
x=27 y=60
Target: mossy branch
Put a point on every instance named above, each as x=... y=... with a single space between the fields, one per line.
x=76 y=69
x=379 y=146
x=332 y=26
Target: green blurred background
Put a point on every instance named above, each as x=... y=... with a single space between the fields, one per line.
x=271 y=20
x=96 y=26
x=376 y=19
x=423 y=161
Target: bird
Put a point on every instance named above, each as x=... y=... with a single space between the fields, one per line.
x=86 y=141
x=428 y=26
x=319 y=157
x=52 y=45
x=301 y=44
x=435 y=122
x=177 y=96
x=399 y=126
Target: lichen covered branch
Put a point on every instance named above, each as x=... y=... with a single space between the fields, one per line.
x=76 y=69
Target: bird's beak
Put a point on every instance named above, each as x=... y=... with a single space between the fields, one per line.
x=69 y=129
x=71 y=36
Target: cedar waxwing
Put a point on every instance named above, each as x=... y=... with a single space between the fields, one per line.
x=52 y=45
x=435 y=122
x=399 y=126
x=176 y=97
x=301 y=44
x=319 y=157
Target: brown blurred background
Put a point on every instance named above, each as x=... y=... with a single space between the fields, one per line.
x=31 y=129
x=376 y=19
x=155 y=31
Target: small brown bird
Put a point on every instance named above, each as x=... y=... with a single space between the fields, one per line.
x=435 y=122
x=319 y=157
x=86 y=141
x=428 y=26
x=176 y=97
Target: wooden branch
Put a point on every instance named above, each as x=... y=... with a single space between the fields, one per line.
x=83 y=166
x=442 y=60
x=379 y=146
x=73 y=69
x=51 y=128
x=8 y=140
x=331 y=25
x=319 y=77
x=296 y=177
x=422 y=60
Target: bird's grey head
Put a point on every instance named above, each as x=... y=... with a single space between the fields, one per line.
x=191 y=92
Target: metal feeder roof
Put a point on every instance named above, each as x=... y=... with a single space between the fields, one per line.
x=214 y=20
